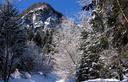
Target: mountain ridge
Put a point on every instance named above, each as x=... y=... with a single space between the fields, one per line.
x=40 y=5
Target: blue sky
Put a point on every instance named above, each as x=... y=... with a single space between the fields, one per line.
x=67 y=7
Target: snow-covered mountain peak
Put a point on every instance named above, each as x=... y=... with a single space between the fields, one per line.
x=41 y=15
x=40 y=6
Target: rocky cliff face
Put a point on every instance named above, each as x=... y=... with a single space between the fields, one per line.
x=41 y=15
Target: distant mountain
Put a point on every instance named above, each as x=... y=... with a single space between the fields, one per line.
x=41 y=5
x=41 y=17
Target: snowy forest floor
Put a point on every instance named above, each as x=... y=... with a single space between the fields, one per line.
x=39 y=77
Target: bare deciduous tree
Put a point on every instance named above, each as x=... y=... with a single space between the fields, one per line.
x=66 y=54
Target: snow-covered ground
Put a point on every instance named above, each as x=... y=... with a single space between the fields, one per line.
x=38 y=77
x=103 y=80
x=35 y=78
x=106 y=80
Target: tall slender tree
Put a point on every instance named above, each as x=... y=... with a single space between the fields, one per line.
x=90 y=65
x=12 y=39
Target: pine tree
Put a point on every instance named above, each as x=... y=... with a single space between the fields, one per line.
x=90 y=65
x=93 y=42
x=12 y=39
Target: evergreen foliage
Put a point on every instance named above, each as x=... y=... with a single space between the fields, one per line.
x=108 y=34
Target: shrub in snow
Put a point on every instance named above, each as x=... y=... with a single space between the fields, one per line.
x=36 y=60
x=40 y=73
x=16 y=74
x=26 y=75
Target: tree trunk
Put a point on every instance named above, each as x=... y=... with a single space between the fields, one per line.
x=5 y=79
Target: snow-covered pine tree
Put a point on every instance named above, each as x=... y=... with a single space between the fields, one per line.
x=12 y=39
x=93 y=42
x=90 y=65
